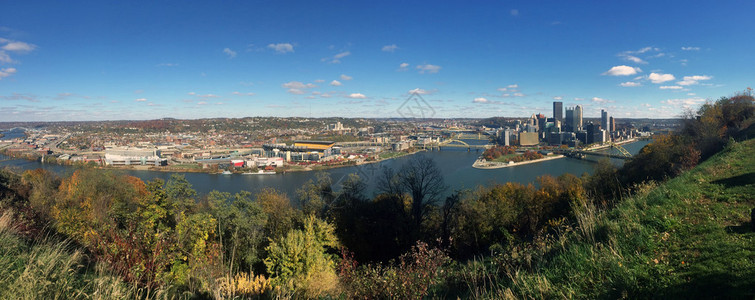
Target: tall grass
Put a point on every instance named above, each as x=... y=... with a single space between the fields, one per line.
x=52 y=269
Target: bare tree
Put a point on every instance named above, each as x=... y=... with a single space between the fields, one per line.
x=421 y=178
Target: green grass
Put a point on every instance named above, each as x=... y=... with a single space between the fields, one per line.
x=388 y=155
x=687 y=238
x=506 y=158
x=187 y=166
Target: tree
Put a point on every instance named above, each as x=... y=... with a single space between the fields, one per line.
x=181 y=195
x=241 y=225
x=281 y=216
x=302 y=261
x=43 y=186
x=421 y=178
x=316 y=197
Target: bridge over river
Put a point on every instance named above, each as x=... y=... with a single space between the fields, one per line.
x=623 y=153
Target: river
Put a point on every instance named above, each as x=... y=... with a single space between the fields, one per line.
x=454 y=163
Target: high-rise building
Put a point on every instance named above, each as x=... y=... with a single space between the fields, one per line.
x=558 y=110
x=603 y=119
x=569 y=122
x=573 y=121
x=541 y=120
x=611 y=124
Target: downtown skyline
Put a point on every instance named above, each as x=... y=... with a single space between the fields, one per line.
x=77 y=61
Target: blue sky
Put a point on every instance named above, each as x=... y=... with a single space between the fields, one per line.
x=102 y=60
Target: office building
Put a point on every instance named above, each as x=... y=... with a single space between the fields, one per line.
x=611 y=124
x=558 y=110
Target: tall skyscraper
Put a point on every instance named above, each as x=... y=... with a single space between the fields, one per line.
x=611 y=124
x=603 y=119
x=569 y=122
x=577 y=118
x=558 y=110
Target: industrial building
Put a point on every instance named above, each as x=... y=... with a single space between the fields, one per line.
x=301 y=150
x=134 y=156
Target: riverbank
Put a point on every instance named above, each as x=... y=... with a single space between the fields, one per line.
x=290 y=168
x=483 y=164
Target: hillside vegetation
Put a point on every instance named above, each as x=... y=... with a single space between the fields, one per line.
x=661 y=226
x=690 y=237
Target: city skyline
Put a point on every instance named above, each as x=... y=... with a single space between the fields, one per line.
x=142 y=60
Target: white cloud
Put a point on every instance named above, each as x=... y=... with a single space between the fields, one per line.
x=634 y=59
x=5 y=58
x=356 y=96
x=201 y=103
x=282 y=47
x=202 y=96
x=229 y=52
x=622 y=71
x=630 y=84
x=346 y=77
x=643 y=50
x=660 y=78
x=518 y=95
x=514 y=12
x=671 y=87
x=336 y=59
x=7 y=72
x=428 y=68
x=141 y=100
x=296 y=87
x=692 y=80
x=513 y=86
x=558 y=98
x=390 y=48
x=19 y=47
x=600 y=100
x=335 y=83
x=480 y=100
x=688 y=102
x=691 y=48
x=167 y=65
x=403 y=67
x=243 y=94
x=420 y=91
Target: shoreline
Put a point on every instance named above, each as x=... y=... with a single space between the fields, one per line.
x=484 y=165
x=204 y=171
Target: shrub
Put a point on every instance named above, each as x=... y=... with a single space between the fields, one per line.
x=301 y=262
x=412 y=278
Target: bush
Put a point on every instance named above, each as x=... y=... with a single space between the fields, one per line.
x=412 y=278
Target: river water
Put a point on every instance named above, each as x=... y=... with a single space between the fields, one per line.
x=454 y=163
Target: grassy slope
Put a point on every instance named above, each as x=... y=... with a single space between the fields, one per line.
x=51 y=269
x=687 y=238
